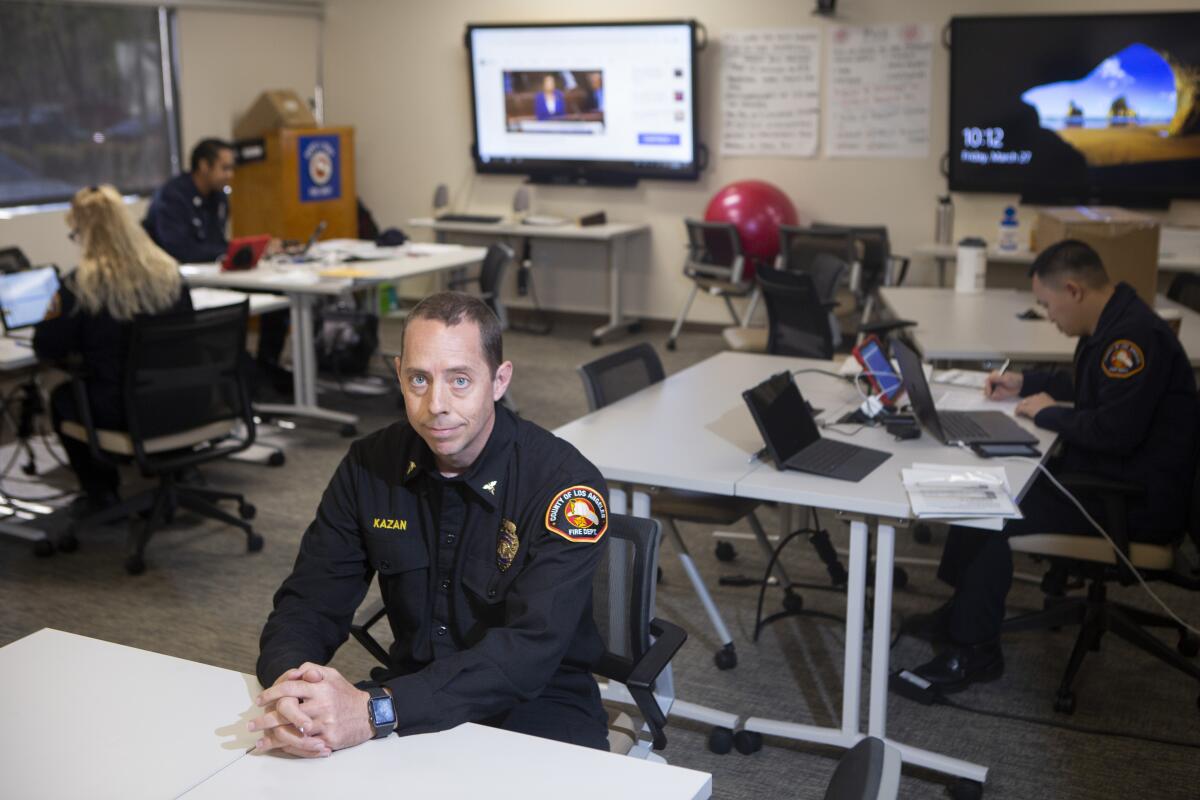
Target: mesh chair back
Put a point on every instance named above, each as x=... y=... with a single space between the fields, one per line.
x=797 y=321
x=874 y=248
x=1185 y=289
x=800 y=247
x=623 y=587
x=184 y=371
x=618 y=375
x=495 y=263
x=715 y=251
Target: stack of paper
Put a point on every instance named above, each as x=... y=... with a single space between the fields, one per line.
x=971 y=378
x=975 y=496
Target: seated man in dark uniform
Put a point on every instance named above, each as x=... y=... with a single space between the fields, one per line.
x=1130 y=415
x=187 y=218
x=485 y=532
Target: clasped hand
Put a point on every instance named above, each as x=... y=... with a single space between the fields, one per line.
x=311 y=711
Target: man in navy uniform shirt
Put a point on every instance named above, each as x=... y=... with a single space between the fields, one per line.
x=187 y=218
x=485 y=531
x=1129 y=415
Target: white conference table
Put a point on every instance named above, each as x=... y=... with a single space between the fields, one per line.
x=610 y=236
x=693 y=431
x=303 y=284
x=943 y=254
x=984 y=326
x=87 y=718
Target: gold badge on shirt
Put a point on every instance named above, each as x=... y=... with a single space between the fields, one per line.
x=507 y=544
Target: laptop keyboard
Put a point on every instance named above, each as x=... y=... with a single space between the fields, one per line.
x=960 y=426
x=823 y=456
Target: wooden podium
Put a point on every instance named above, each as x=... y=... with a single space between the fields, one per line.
x=293 y=180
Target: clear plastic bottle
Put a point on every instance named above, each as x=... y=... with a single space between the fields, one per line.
x=1010 y=230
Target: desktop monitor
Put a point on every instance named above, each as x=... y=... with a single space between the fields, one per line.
x=25 y=296
x=585 y=103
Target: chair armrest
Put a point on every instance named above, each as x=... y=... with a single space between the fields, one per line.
x=885 y=327
x=1093 y=484
x=362 y=635
x=640 y=683
x=899 y=269
x=1116 y=496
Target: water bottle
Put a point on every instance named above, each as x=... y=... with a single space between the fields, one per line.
x=1009 y=240
x=971 y=274
x=944 y=224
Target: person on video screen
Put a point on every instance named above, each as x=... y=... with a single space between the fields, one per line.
x=549 y=103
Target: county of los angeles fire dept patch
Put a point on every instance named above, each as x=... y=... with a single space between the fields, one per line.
x=577 y=515
x=1123 y=359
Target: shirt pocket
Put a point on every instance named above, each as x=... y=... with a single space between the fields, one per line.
x=485 y=590
x=402 y=563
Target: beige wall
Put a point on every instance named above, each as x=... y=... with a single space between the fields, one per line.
x=398 y=72
x=226 y=58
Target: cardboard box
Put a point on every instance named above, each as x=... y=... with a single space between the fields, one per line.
x=1126 y=241
x=274 y=109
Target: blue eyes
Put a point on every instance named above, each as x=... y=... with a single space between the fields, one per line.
x=421 y=381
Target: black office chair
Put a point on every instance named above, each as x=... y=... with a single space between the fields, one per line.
x=490 y=279
x=1092 y=558
x=868 y=771
x=715 y=263
x=185 y=396
x=623 y=607
x=618 y=375
x=797 y=317
x=13 y=259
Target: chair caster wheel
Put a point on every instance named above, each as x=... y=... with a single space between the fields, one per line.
x=349 y=431
x=922 y=533
x=635 y=327
x=747 y=742
x=720 y=741
x=964 y=789
x=793 y=603
x=254 y=543
x=671 y=344
x=43 y=548
x=725 y=551
x=68 y=543
x=726 y=657
x=1064 y=702
x=135 y=565
x=1188 y=646
x=247 y=511
x=899 y=578
x=275 y=460
x=29 y=469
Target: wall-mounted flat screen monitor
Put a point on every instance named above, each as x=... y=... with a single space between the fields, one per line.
x=603 y=102
x=1067 y=109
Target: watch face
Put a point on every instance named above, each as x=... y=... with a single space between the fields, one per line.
x=382 y=711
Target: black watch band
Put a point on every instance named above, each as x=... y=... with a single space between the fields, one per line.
x=381 y=711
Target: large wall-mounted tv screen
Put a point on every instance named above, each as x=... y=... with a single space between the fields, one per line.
x=1076 y=108
x=610 y=101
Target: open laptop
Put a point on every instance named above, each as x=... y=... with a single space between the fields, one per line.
x=792 y=438
x=244 y=252
x=954 y=427
x=25 y=296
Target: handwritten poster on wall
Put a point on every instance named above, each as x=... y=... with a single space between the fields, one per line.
x=877 y=91
x=770 y=92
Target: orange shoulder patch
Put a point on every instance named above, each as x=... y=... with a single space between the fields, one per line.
x=1123 y=359
x=577 y=514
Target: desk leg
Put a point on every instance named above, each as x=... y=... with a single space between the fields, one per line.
x=617 y=321
x=304 y=371
x=885 y=559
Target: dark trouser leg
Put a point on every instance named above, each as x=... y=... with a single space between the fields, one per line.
x=569 y=710
x=979 y=565
x=95 y=477
x=272 y=330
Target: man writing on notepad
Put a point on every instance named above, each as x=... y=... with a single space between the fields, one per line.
x=1129 y=414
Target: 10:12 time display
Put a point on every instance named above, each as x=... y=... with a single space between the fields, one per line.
x=992 y=138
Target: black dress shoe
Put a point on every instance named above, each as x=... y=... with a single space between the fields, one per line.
x=930 y=626
x=960 y=665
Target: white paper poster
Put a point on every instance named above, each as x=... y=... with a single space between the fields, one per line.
x=770 y=92
x=877 y=91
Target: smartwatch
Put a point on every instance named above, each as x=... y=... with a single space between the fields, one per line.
x=381 y=711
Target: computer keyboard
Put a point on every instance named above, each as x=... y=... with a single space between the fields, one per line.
x=823 y=455
x=482 y=219
x=960 y=426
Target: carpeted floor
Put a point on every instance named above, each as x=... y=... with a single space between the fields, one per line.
x=204 y=598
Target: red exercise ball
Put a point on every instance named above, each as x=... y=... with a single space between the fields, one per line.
x=756 y=209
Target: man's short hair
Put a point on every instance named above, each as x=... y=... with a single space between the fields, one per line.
x=1070 y=258
x=450 y=309
x=208 y=150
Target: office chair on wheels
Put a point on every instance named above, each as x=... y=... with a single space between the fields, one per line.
x=185 y=396
x=490 y=279
x=639 y=646
x=715 y=263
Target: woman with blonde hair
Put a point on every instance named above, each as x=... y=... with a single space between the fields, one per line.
x=121 y=274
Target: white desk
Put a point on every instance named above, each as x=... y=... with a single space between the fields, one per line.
x=86 y=718
x=693 y=431
x=944 y=254
x=610 y=236
x=984 y=326
x=302 y=284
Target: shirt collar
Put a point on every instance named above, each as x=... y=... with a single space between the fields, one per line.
x=489 y=472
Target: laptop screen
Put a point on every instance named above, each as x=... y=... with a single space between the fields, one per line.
x=917 y=388
x=783 y=419
x=25 y=296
